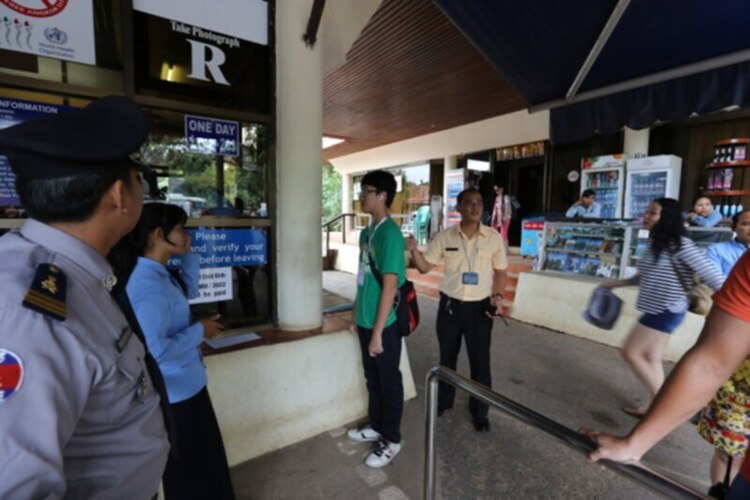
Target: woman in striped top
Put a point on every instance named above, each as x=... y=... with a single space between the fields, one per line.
x=665 y=273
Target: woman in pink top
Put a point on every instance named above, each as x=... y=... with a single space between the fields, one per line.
x=501 y=212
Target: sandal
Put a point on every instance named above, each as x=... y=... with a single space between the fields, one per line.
x=634 y=412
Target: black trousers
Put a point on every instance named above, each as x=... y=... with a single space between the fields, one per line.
x=385 y=386
x=199 y=469
x=456 y=320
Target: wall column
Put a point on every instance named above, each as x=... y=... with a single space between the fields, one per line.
x=635 y=142
x=346 y=202
x=450 y=164
x=299 y=115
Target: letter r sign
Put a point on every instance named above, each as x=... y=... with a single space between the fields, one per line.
x=207 y=57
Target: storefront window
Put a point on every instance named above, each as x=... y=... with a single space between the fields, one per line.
x=205 y=184
x=208 y=145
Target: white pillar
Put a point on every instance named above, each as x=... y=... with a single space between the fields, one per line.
x=346 y=202
x=299 y=116
x=635 y=142
x=449 y=164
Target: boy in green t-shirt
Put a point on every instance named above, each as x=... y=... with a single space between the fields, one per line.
x=382 y=248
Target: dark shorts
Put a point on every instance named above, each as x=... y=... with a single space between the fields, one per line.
x=740 y=489
x=665 y=321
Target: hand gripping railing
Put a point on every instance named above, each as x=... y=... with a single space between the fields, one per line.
x=634 y=471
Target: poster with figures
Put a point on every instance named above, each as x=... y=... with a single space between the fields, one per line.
x=60 y=29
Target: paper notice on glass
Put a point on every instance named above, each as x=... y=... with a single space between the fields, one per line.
x=220 y=343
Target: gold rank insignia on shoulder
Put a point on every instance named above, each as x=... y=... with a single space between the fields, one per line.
x=47 y=292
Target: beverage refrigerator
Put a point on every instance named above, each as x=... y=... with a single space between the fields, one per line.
x=605 y=175
x=649 y=178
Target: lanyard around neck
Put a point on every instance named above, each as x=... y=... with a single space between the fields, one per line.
x=372 y=232
x=471 y=259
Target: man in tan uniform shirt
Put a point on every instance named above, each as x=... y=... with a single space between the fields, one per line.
x=471 y=294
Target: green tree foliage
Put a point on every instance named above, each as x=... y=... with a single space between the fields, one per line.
x=192 y=174
x=331 y=193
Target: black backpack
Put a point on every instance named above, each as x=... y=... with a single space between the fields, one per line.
x=405 y=303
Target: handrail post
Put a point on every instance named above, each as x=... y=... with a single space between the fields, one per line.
x=430 y=464
x=328 y=239
x=343 y=228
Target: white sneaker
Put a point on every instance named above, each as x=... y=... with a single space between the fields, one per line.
x=364 y=434
x=383 y=455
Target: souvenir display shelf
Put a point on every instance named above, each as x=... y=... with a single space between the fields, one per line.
x=596 y=250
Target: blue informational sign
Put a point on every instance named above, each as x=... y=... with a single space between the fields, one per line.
x=532 y=232
x=212 y=136
x=12 y=112
x=8 y=196
x=229 y=247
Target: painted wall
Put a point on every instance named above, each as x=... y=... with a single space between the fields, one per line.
x=513 y=128
x=273 y=396
x=557 y=302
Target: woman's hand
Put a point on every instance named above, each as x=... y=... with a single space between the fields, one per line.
x=211 y=326
x=609 y=285
x=617 y=449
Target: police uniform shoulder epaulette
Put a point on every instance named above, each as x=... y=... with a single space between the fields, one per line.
x=47 y=292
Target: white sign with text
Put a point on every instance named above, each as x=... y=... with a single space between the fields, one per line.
x=60 y=29
x=245 y=19
x=214 y=285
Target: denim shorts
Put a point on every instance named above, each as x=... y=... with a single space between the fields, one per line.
x=740 y=488
x=665 y=321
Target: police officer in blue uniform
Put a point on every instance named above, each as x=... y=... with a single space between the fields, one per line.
x=80 y=412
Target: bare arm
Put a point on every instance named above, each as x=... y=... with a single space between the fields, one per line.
x=633 y=280
x=722 y=346
x=423 y=266
x=385 y=306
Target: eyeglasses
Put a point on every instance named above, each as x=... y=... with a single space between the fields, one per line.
x=365 y=192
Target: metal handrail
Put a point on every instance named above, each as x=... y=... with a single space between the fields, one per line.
x=327 y=227
x=633 y=470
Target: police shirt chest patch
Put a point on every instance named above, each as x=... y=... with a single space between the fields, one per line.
x=11 y=374
x=47 y=292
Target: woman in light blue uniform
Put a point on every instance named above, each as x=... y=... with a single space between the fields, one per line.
x=160 y=299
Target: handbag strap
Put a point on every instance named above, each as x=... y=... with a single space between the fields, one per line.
x=687 y=289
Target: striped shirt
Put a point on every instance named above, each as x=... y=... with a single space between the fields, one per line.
x=664 y=282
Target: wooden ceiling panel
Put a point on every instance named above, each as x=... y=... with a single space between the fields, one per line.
x=410 y=73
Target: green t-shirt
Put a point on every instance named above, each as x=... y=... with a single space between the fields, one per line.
x=387 y=250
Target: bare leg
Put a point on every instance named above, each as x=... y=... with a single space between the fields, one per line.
x=719 y=463
x=643 y=351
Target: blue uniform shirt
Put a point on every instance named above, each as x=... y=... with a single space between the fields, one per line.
x=710 y=220
x=593 y=211
x=172 y=337
x=724 y=255
x=84 y=421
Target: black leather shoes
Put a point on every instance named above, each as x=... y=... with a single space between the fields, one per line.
x=481 y=424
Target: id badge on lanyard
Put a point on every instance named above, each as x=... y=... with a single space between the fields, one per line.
x=470 y=277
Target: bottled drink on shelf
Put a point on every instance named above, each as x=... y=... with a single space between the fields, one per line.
x=740 y=208
x=719 y=179
x=728 y=174
x=740 y=153
x=733 y=207
x=725 y=208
